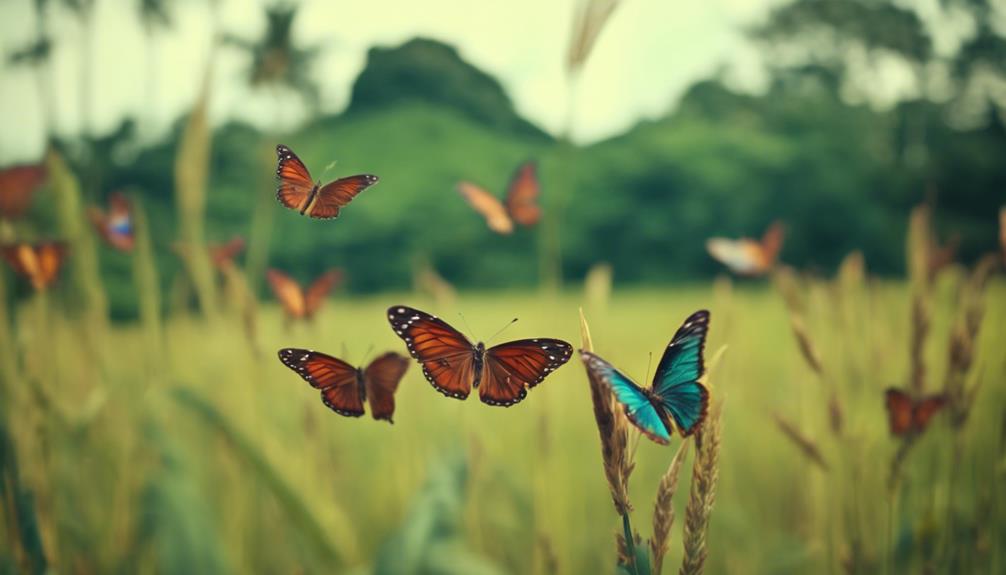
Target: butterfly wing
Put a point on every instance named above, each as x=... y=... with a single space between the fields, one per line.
x=22 y=259
x=771 y=242
x=337 y=380
x=512 y=368
x=50 y=259
x=334 y=195
x=447 y=357
x=316 y=293
x=635 y=402
x=381 y=379
x=487 y=206
x=925 y=409
x=295 y=184
x=116 y=226
x=522 y=195
x=899 y=411
x=676 y=381
x=288 y=292
x=744 y=257
x=17 y=186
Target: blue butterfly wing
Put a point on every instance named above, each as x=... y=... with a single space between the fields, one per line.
x=676 y=379
x=638 y=407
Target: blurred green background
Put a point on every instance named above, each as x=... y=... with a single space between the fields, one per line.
x=147 y=426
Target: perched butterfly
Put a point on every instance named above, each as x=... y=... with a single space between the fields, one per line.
x=746 y=256
x=909 y=416
x=223 y=254
x=676 y=392
x=345 y=388
x=298 y=191
x=520 y=205
x=297 y=302
x=116 y=225
x=17 y=185
x=39 y=262
x=502 y=373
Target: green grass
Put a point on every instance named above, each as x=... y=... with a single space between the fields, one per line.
x=230 y=462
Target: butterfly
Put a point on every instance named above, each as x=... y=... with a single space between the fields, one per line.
x=345 y=388
x=746 y=256
x=17 y=185
x=40 y=262
x=676 y=393
x=116 y=225
x=502 y=373
x=297 y=302
x=908 y=416
x=298 y=191
x=520 y=205
x=223 y=254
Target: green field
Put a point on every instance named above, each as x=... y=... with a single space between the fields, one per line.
x=209 y=457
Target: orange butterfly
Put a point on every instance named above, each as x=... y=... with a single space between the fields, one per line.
x=746 y=256
x=520 y=205
x=39 y=262
x=297 y=302
x=910 y=416
x=115 y=226
x=223 y=254
x=345 y=388
x=17 y=184
x=298 y=191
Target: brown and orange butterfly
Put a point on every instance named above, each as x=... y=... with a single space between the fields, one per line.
x=345 y=388
x=298 y=191
x=17 y=186
x=909 y=416
x=40 y=262
x=116 y=225
x=222 y=255
x=297 y=302
x=502 y=373
x=747 y=256
x=520 y=204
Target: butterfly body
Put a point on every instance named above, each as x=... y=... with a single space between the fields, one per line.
x=346 y=388
x=454 y=366
x=676 y=399
x=298 y=191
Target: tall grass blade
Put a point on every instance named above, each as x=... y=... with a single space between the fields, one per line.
x=148 y=285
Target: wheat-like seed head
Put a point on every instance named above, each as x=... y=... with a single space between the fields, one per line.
x=806 y=445
x=705 y=473
x=663 y=508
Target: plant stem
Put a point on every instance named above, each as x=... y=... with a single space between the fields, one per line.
x=630 y=544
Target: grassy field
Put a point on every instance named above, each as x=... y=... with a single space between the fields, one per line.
x=208 y=456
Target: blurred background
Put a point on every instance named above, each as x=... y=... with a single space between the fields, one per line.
x=655 y=125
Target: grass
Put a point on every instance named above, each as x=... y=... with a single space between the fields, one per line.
x=205 y=467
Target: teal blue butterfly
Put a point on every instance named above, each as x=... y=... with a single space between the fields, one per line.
x=676 y=392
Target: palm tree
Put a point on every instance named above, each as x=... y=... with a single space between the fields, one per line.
x=281 y=66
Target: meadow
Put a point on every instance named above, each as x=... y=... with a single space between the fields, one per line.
x=212 y=457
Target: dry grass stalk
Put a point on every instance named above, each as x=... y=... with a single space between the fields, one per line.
x=663 y=508
x=705 y=473
x=919 y=242
x=963 y=340
x=614 y=431
x=806 y=445
x=807 y=348
x=597 y=286
x=587 y=26
x=917 y=341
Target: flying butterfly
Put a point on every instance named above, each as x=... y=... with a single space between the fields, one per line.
x=675 y=395
x=909 y=416
x=40 y=262
x=17 y=186
x=297 y=302
x=520 y=204
x=747 y=256
x=222 y=255
x=344 y=388
x=298 y=191
x=502 y=373
x=116 y=225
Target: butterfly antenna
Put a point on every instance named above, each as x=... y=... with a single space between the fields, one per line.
x=328 y=167
x=502 y=329
x=468 y=327
x=649 y=363
x=367 y=355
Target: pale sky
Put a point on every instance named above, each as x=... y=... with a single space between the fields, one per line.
x=648 y=54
